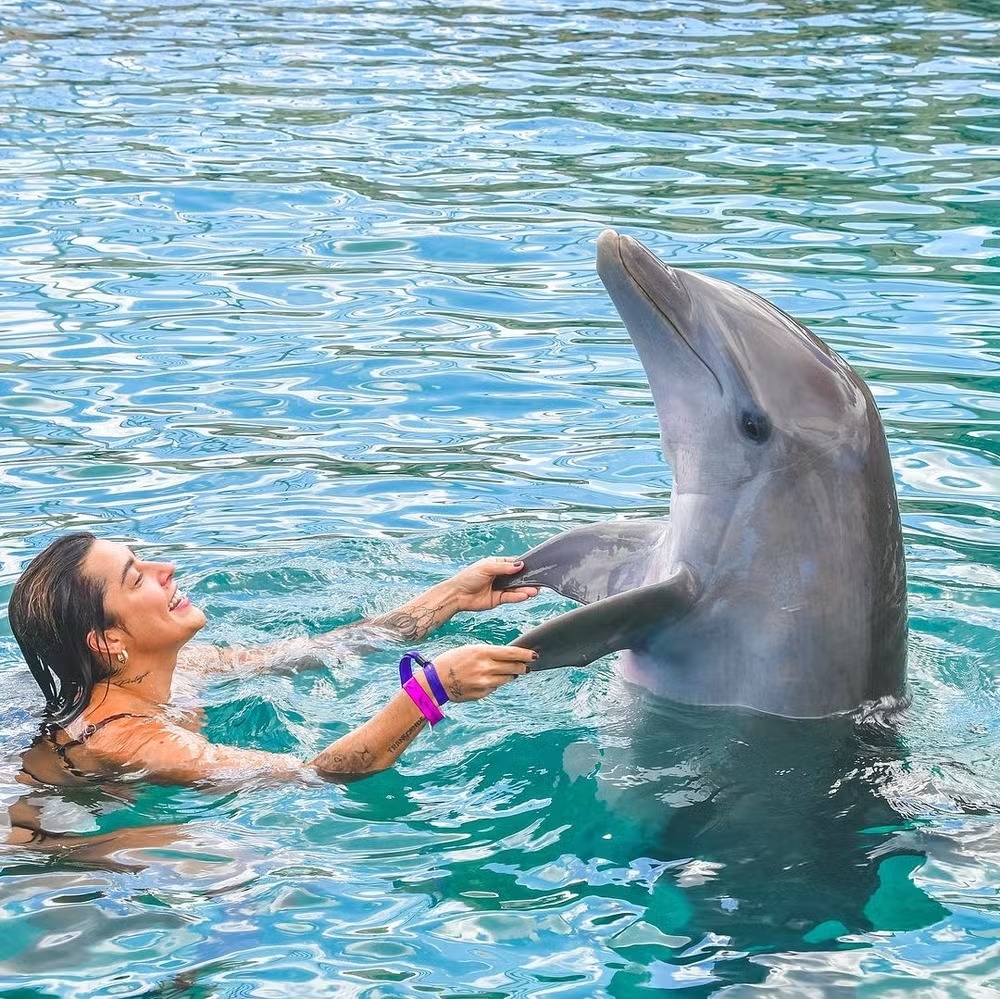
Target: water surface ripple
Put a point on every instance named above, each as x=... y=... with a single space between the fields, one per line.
x=302 y=297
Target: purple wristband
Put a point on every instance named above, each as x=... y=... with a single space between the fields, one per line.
x=414 y=658
x=423 y=701
x=406 y=665
x=434 y=682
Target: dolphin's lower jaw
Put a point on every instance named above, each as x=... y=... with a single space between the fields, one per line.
x=632 y=275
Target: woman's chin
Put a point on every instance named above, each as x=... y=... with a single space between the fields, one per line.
x=194 y=618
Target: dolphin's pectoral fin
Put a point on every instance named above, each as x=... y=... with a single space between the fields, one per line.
x=592 y=562
x=623 y=621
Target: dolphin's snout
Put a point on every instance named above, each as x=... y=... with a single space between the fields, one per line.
x=617 y=252
x=622 y=258
x=608 y=253
x=608 y=240
x=654 y=299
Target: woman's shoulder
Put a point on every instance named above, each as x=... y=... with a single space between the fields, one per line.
x=85 y=727
x=108 y=727
x=131 y=740
x=122 y=717
x=72 y=753
x=130 y=736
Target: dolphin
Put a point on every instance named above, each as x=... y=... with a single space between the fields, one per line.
x=778 y=583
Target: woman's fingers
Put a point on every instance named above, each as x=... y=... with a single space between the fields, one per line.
x=517 y=595
x=512 y=670
x=502 y=565
x=512 y=666
x=473 y=671
x=511 y=654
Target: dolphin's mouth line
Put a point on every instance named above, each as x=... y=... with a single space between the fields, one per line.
x=649 y=298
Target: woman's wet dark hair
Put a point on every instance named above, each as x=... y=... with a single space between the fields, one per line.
x=53 y=608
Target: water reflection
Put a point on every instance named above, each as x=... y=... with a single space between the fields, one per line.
x=279 y=274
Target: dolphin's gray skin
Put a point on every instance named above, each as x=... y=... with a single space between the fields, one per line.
x=779 y=584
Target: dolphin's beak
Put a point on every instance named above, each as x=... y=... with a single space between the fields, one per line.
x=610 y=265
x=654 y=300
x=625 y=265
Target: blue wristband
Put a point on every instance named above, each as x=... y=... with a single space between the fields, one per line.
x=414 y=658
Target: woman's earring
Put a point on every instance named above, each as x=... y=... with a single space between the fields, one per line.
x=122 y=656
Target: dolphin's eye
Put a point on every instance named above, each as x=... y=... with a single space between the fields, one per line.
x=755 y=426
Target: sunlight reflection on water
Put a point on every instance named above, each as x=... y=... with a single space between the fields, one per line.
x=303 y=298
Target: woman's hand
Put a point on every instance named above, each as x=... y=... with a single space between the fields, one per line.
x=473 y=671
x=473 y=586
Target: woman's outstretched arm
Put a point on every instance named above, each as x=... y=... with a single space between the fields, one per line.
x=469 y=590
x=166 y=752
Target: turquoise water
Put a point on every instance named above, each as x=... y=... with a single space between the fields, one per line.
x=302 y=298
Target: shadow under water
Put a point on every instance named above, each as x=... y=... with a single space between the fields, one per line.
x=779 y=833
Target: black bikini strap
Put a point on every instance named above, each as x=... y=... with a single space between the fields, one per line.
x=63 y=748
x=91 y=729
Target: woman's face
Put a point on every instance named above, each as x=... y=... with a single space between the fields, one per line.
x=143 y=598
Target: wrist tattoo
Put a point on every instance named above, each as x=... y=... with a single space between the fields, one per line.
x=401 y=741
x=412 y=624
x=455 y=688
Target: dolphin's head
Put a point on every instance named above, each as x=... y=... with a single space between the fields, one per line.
x=741 y=388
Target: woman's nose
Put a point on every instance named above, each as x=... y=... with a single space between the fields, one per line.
x=165 y=570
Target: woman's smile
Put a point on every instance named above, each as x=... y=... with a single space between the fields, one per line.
x=178 y=602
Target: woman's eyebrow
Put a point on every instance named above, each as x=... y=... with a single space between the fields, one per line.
x=128 y=565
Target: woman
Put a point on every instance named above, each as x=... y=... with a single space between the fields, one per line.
x=103 y=632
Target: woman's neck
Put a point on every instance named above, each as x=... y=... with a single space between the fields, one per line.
x=147 y=679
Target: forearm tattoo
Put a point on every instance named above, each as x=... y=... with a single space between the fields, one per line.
x=351 y=761
x=409 y=623
x=412 y=624
x=401 y=742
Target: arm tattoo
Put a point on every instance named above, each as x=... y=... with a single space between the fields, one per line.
x=412 y=624
x=406 y=737
x=409 y=623
x=350 y=762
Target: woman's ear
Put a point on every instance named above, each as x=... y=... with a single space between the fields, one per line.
x=106 y=643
